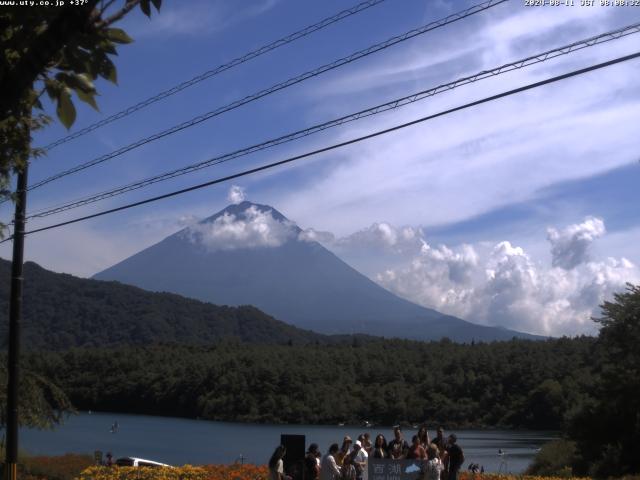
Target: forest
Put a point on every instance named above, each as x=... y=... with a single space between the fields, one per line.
x=513 y=384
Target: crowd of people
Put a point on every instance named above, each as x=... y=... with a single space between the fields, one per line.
x=440 y=458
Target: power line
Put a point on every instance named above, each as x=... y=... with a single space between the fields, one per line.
x=277 y=87
x=518 y=64
x=219 y=69
x=343 y=144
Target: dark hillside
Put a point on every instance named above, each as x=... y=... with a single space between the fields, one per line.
x=63 y=311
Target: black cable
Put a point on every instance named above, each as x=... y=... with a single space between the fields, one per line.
x=219 y=69
x=393 y=104
x=277 y=87
x=343 y=144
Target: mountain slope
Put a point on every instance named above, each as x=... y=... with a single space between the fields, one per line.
x=299 y=282
x=62 y=311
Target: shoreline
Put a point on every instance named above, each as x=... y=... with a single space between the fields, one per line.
x=403 y=425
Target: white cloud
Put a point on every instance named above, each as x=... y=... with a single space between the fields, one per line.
x=465 y=164
x=312 y=235
x=384 y=236
x=236 y=194
x=253 y=229
x=505 y=286
x=493 y=284
x=438 y=277
x=570 y=246
x=198 y=18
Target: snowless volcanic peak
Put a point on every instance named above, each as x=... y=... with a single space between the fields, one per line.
x=251 y=254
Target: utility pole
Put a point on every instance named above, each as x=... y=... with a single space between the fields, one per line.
x=15 y=316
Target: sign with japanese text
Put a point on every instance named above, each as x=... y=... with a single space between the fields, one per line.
x=388 y=469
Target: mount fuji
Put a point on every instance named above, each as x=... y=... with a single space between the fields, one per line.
x=251 y=254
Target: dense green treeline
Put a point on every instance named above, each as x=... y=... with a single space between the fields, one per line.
x=518 y=383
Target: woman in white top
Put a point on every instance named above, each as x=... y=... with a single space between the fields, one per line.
x=433 y=466
x=276 y=465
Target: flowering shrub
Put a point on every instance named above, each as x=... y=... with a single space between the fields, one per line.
x=63 y=467
x=237 y=472
x=188 y=472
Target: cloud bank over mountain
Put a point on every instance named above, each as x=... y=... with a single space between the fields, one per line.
x=503 y=284
x=497 y=283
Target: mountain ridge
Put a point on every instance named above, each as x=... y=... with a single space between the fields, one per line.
x=63 y=311
x=297 y=281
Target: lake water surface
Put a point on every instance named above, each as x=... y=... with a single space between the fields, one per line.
x=178 y=441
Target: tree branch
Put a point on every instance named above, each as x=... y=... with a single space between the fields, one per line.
x=128 y=6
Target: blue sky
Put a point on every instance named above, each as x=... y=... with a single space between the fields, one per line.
x=482 y=191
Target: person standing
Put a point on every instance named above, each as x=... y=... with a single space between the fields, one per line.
x=348 y=469
x=366 y=442
x=398 y=447
x=311 y=466
x=423 y=435
x=344 y=450
x=329 y=469
x=440 y=441
x=416 y=451
x=380 y=447
x=433 y=466
x=455 y=457
x=360 y=460
x=276 y=465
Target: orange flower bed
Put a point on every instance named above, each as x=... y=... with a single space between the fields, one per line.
x=237 y=472
x=63 y=467
x=187 y=472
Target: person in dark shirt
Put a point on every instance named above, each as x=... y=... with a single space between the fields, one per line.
x=398 y=447
x=311 y=464
x=455 y=457
x=380 y=447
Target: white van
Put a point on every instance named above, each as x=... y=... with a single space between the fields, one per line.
x=138 y=462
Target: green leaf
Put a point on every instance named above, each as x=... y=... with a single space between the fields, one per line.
x=157 y=4
x=53 y=88
x=145 y=6
x=76 y=81
x=107 y=70
x=87 y=98
x=107 y=46
x=77 y=59
x=118 y=35
x=84 y=83
x=65 y=110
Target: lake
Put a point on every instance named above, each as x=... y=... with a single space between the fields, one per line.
x=178 y=441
